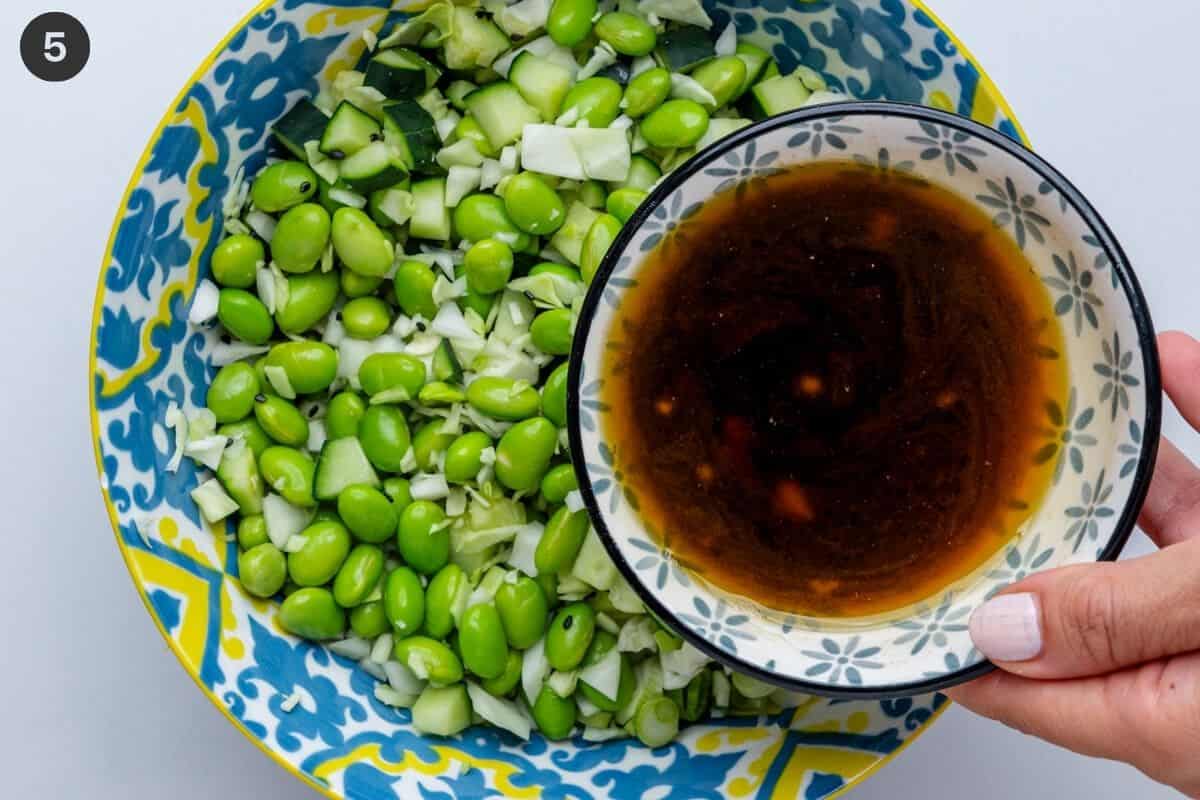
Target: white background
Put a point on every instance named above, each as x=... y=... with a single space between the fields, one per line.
x=92 y=704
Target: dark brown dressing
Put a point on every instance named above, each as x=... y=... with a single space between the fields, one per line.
x=828 y=389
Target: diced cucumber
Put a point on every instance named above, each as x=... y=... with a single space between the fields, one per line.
x=458 y=90
x=755 y=59
x=304 y=123
x=374 y=167
x=684 y=48
x=719 y=128
x=401 y=74
x=445 y=364
x=473 y=42
x=777 y=95
x=643 y=174
x=349 y=130
x=238 y=473
x=542 y=83
x=411 y=130
x=569 y=238
x=343 y=463
x=501 y=112
x=431 y=217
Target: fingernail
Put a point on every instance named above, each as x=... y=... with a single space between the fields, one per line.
x=1008 y=628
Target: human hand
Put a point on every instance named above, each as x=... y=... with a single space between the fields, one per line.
x=1104 y=659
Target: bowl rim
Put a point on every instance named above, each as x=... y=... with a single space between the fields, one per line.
x=1090 y=216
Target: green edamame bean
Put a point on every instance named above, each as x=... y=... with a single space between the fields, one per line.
x=366 y=317
x=382 y=371
x=554 y=396
x=532 y=205
x=399 y=491
x=723 y=77
x=481 y=304
x=404 y=601
x=428 y=442
x=441 y=597
x=503 y=398
x=624 y=202
x=676 y=123
x=464 y=456
x=599 y=238
x=554 y=715
x=628 y=34
x=310 y=298
x=290 y=473
x=482 y=216
x=549 y=583
x=252 y=531
x=569 y=636
x=489 y=265
x=562 y=270
x=359 y=243
x=439 y=393
x=643 y=174
x=559 y=482
x=522 y=608
x=551 y=331
x=570 y=21
x=355 y=285
x=413 y=286
x=244 y=316
x=647 y=91
x=481 y=639
x=504 y=683
x=300 y=238
x=468 y=128
x=345 y=411
x=358 y=576
x=524 y=452
x=657 y=721
x=310 y=366
x=596 y=99
x=429 y=657
x=422 y=547
x=262 y=570
x=250 y=432
x=326 y=514
x=312 y=613
x=561 y=540
x=281 y=420
x=236 y=260
x=384 y=436
x=231 y=393
x=283 y=185
x=368 y=513
x=368 y=620
x=325 y=548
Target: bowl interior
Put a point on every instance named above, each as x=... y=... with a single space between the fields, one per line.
x=146 y=357
x=1100 y=437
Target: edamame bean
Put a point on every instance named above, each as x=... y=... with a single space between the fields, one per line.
x=504 y=683
x=722 y=77
x=464 y=456
x=569 y=636
x=624 y=202
x=355 y=285
x=524 y=452
x=300 y=238
x=481 y=638
x=647 y=91
x=312 y=613
x=399 y=491
x=503 y=398
x=380 y=372
x=439 y=393
x=345 y=411
x=643 y=174
x=554 y=715
x=656 y=721
x=404 y=601
x=413 y=287
x=522 y=608
x=310 y=298
x=442 y=599
x=368 y=620
x=561 y=540
x=481 y=304
x=290 y=473
x=283 y=185
x=628 y=34
x=428 y=442
x=570 y=21
x=366 y=317
x=548 y=581
x=231 y=393
x=482 y=216
x=326 y=545
x=384 y=436
x=368 y=513
x=250 y=432
x=326 y=514
x=676 y=123
x=468 y=128
x=262 y=570
x=281 y=420
x=554 y=396
x=532 y=205
x=489 y=265
x=358 y=576
x=562 y=270
x=596 y=99
x=430 y=659
x=359 y=243
x=551 y=331
x=236 y=260
x=599 y=238
x=422 y=539
x=310 y=366
x=252 y=531
x=559 y=482
x=244 y=316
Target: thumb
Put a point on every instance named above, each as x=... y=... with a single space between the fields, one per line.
x=1094 y=619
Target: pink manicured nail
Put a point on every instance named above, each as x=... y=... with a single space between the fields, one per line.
x=1008 y=628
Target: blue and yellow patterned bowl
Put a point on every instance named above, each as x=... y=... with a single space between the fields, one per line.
x=144 y=357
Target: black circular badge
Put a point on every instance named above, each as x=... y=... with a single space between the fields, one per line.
x=55 y=46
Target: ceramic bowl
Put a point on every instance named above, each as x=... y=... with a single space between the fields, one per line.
x=144 y=357
x=1102 y=436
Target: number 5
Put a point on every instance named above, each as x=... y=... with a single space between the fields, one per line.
x=54 y=48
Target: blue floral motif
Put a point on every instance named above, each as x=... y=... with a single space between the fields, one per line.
x=589 y=401
x=838 y=660
x=1087 y=515
x=884 y=163
x=120 y=338
x=1101 y=261
x=136 y=261
x=948 y=145
x=1020 y=562
x=1067 y=436
x=1132 y=449
x=819 y=133
x=1013 y=208
x=1118 y=376
x=715 y=623
x=932 y=624
x=606 y=477
x=668 y=221
x=656 y=559
x=743 y=168
x=1075 y=292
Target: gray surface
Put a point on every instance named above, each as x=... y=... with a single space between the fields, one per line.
x=95 y=705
